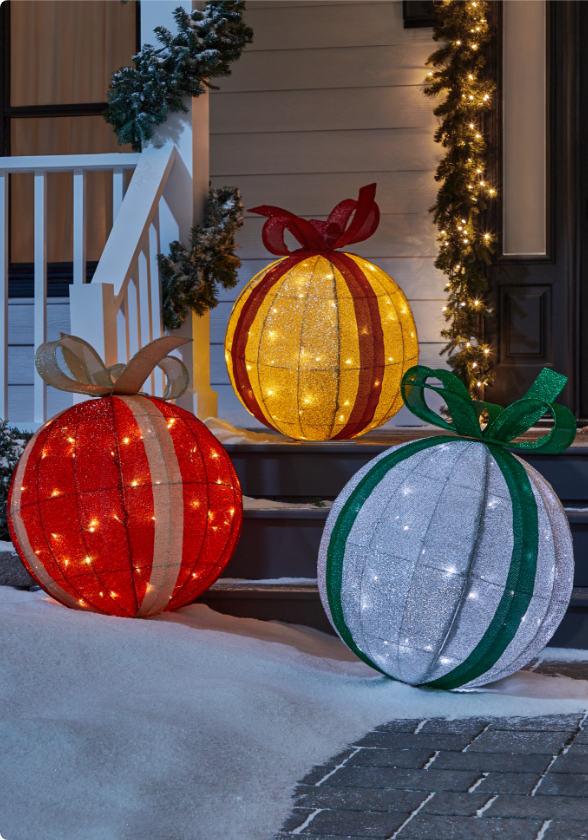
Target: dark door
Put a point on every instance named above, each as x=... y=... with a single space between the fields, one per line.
x=541 y=303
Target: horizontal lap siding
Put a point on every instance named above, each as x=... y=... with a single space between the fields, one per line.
x=328 y=99
x=21 y=356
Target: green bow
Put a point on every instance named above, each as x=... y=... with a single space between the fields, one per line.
x=504 y=423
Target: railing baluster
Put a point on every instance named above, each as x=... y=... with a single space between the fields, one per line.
x=122 y=332
x=118 y=190
x=146 y=324
x=155 y=294
x=79 y=226
x=4 y=247
x=133 y=314
x=40 y=328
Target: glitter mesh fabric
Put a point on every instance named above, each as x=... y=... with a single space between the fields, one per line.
x=318 y=354
x=318 y=342
x=426 y=562
x=125 y=505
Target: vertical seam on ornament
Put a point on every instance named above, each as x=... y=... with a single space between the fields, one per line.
x=437 y=503
x=375 y=279
x=213 y=573
x=124 y=501
x=42 y=524
x=481 y=509
x=30 y=555
x=300 y=342
x=385 y=294
x=196 y=560
x=264 y=410
x=335 y=556
x=81 y=528
x=338 y=332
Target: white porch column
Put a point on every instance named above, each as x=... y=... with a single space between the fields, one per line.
x=183 y=205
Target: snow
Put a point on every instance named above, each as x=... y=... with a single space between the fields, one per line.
x=250 y=503
x=283 y=581
x=225 y=432
x=192 y=725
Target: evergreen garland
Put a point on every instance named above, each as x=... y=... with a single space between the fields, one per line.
x=189 y=277
x=465 y=248
x=12 y=444
x=140 y=97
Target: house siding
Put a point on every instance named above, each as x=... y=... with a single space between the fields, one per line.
x=328 y=98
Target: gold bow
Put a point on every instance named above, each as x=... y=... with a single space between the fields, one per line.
x=93 y=379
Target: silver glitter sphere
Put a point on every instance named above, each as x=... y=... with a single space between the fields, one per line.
x=423 y=574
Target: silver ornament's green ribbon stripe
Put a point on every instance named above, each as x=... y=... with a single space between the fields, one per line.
x=505 y=424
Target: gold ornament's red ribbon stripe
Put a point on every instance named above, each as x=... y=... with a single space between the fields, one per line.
x=241 y=335
x=371 y=346
x=318 y=237
x=89 y=376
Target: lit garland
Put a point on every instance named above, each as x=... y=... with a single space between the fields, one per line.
x=464 y=246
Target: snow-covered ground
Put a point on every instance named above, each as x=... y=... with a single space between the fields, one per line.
x=192 y=725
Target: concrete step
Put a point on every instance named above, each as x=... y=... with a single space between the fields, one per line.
x=299 y=603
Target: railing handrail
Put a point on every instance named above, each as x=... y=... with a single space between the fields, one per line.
x=68 y=163
x=134 y=218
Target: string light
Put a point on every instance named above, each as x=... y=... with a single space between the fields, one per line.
x=460 y=78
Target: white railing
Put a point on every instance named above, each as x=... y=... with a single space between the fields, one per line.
x=120 y=310
x=40 y=166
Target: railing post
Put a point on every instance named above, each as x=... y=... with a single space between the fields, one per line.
x=40 y=318
x=93 y=318
x=4 y=248
x=79 y=226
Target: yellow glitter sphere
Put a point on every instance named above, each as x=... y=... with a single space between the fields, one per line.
x=318 y=342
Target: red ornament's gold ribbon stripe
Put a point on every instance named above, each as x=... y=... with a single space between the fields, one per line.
x=168 y=504
x=36 y=566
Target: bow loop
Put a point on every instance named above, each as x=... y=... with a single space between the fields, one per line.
x=504 y=424
x=349 y=222
x=89 y=376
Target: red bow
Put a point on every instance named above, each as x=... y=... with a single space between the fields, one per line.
x=314 y=235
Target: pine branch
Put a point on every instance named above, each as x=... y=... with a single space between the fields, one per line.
x=190 y=277
x=12 y=444
x=140 y=97
x=464 y=247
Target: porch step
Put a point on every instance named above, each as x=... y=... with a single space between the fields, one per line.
x=299 y=603
x=285 y=543
x=293 y=603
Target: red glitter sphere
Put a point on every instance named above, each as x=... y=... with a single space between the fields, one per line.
x=125 y=505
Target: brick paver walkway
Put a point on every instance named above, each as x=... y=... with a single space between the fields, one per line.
x=511 y=778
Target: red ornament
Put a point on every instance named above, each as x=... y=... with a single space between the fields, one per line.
x=126 y=505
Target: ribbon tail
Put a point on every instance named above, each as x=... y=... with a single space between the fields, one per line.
x=145 y=361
